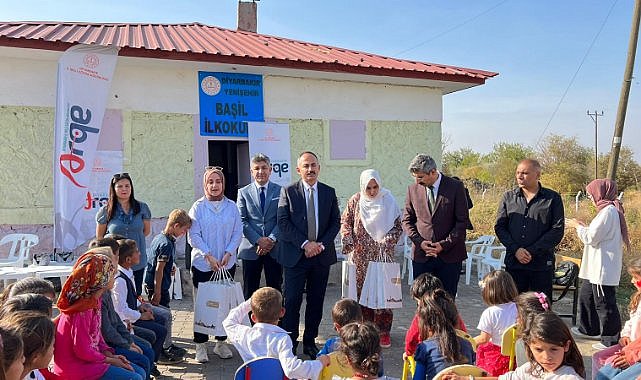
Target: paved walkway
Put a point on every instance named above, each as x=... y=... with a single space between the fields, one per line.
x=468 y=301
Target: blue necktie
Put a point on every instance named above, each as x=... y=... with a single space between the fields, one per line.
x=262 y=198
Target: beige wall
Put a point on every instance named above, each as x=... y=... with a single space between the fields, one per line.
x=392 y=145
x=26 y=175
x=158 y=153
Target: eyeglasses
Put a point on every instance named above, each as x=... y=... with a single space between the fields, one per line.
x=119 y=176
x=219 y=168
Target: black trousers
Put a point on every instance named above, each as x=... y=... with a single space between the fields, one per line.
x=598 y=312
x=310 y=272
x=196 y=278
x=252 y=270
x=533 y=281
x=448 y=273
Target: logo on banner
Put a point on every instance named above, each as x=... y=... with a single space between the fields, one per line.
x=91 y=61
x=72 y=163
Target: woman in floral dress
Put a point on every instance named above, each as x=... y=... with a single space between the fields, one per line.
x=371 y=226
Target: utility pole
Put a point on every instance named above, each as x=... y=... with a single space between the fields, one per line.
x=595 y=117
x=625 y=91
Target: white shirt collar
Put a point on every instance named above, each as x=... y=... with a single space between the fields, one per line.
x=128 y=272
x=266 y=185
x=307 y=186
x=437 y=183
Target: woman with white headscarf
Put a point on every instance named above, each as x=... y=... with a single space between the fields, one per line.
x=371 y=225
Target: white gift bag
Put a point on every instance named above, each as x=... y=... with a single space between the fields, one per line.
x=210 y=308
x=213 y=301
x=370 y=289
x=382 y=286
x=391 y=296
x=348 y=280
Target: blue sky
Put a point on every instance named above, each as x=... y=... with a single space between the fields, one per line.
x=536 y=46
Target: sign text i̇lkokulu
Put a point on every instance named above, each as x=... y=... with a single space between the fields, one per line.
x=228 y=101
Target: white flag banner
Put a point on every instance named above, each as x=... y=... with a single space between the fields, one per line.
x=84 y=80
x=272 y=139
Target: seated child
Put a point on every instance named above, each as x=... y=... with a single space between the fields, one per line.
x=32 y=285
x=131 y=309
x=422 y=286
x=11 y=355
x=344 y=311
x=623 y=360
x=499 y=293
x=29 y=301
x=80 y=350
x=361 y=345
x=160 y=267
x=442 y=347
x=551 y=351
x=37 y=332
x=114 y=331
x=265 y=338
x=528 y=305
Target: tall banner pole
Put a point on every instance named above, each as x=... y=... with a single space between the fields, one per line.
x=84 y=80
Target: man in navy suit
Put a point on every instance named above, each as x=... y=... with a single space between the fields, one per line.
x=435 y=219
x=258 y=203
x=308 y=219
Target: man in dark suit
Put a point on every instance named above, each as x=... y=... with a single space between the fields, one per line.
x=434 y=219
x=308 y=219
x=258 y=204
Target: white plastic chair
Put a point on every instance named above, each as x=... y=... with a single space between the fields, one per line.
x=20 y=248
x=476 y=252
x=492 y=260
x=407 y=261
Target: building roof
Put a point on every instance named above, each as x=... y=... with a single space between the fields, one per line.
x=198 y=42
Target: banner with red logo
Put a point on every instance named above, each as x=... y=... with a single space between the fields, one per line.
x=84 y=80
x=272 y=140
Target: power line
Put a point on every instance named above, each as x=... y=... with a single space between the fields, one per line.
x=451 y=29
x=567 y=89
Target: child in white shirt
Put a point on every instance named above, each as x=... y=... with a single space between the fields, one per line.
x=265 y=338
x=499 y=292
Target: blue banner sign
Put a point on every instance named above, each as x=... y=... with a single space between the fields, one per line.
x=228 y=101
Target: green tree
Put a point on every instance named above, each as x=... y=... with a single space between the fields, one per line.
x=503 y=159
x=565 y=163
x=628 y=170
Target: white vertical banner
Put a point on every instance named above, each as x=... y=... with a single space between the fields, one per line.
x=84 y=80
x=272 y=139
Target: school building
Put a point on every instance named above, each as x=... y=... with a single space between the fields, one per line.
x=355 y=109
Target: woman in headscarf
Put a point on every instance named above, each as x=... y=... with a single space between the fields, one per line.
x=604 y=239
x=371 y=226
x=80 y=350
x=215 y=235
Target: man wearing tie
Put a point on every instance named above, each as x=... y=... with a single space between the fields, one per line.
x=308 y=219
x=434 y=219
x=258 y=203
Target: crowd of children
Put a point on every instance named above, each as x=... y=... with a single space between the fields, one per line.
x=105 y=331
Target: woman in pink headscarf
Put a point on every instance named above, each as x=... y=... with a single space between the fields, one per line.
x=603 y=239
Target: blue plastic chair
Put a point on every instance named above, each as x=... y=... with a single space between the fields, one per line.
x=263 y=368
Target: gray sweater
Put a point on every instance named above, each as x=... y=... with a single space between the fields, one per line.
x=113 y=329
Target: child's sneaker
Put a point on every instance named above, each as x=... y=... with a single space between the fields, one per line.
x=176 y=351
x=167 y=358
x=385 y=340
